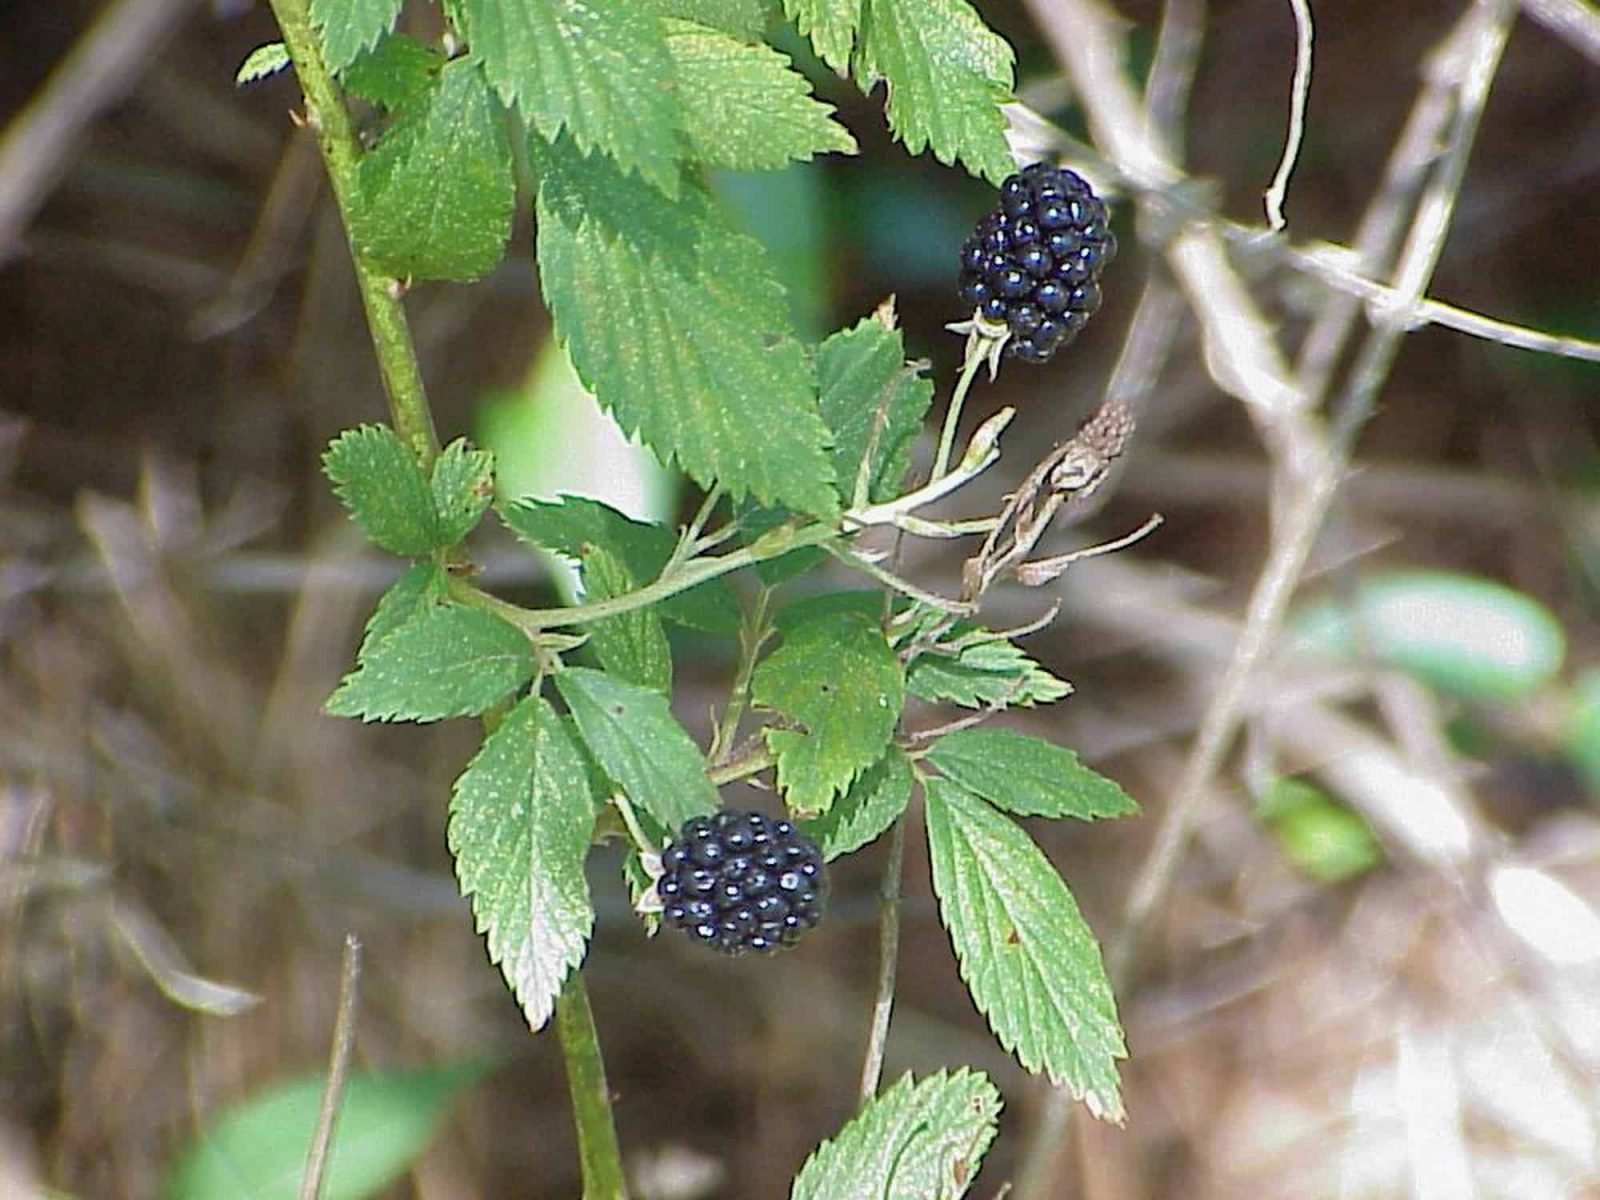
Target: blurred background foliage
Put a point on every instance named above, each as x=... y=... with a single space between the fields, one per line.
x=1329 y=1007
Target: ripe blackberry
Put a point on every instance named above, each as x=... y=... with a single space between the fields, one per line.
x=739 y=881
x=1033 y=264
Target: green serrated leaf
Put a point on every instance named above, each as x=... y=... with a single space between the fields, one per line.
x=262 y=62
x=463 y=486
x=350 y=26
x=449 y=661
x=873 y=803
x=394 y=72
x=1029 y=960
x=747 y=19
x=873 y=400
x=839 y=681
x=436 y=194
x=634 y=737
x=831 y=25
x=742 y=105
x=917 y=1141
x=422 y=587
x=633 y=645
x=257 y=1148
x=520 y=822
x=568 y=525
x=1027 y=775
x=377 y=479
x=983 y=671
x=601 y=72
x=948 y=75
x=676 y=325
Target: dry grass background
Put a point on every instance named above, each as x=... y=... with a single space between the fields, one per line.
x=179 y=337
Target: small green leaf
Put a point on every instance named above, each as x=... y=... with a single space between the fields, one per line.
x=1470 y=637
x=377 y=479
x=982 y=670
x=873 y=400
x=424 y=586
x=600 y=71
x=572 y=524
x=257 y=1149
x=676 y=325
x=262 y=62
x=520 y=823
x=1322 y=838
x=632 y=646
x=948 y=76
x=634 y=736
x=742 y=105
x=747 y=19
x=839 y=681
x=463 y=486
x=436 y=193
x=445 y=662
x=350 y=26
x=1030 y=962
x=873 y=803
x=917 y=1141
x=831 y=25
x=396 y=71
x=1027 y=775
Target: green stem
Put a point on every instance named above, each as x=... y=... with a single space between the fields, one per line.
x=380 y=295
x=753 y=634
x=771 y=545
x=591 y=1099
x=952 y=418
x=888 y=961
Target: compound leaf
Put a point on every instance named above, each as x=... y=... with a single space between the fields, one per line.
x=916 y=1141
x=448 y=661
x=677 y=326
x=377 y=479
x=874 y=401
x=350 y=26
x=743 y=107
x=602 y=72
x=463 y=486
x=261 y=62
x=838 y=680
x=634 y=737
x=1029 y=960
x=436 y=193
x=520 y=823
x=873 y=803
x=830 y=24
x=982 y=670
x=572 y=525
x=745 y=19
x=631 y=645
x=422 y=587
x=948 y=75
x=1027 y=775
x=395 y=71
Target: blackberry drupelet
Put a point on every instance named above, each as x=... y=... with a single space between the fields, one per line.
x=740 y=881
x=1033 y=264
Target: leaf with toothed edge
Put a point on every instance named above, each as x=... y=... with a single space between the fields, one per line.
x=520 y=824
x=1029 y=960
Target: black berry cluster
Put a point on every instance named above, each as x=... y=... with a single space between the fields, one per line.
x=1034 y=263
x=740 y=881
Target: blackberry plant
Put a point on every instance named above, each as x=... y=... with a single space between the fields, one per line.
x=737 y=882
x=677 y=325
x=1032 y=266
